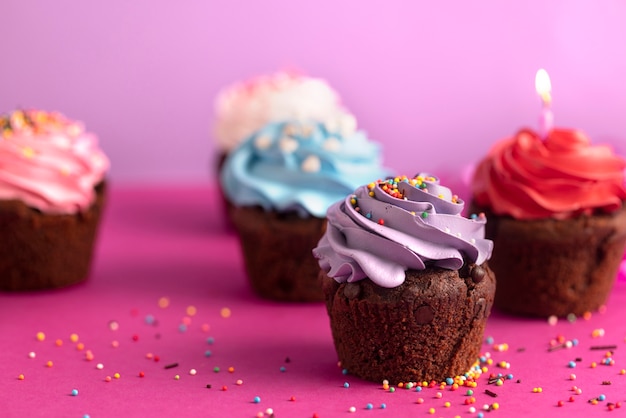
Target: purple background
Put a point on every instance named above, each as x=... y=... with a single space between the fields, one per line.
x=435 y=82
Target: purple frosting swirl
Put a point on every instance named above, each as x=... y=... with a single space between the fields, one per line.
x=379 y=235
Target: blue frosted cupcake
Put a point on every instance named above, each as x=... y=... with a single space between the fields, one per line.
x=279 y=183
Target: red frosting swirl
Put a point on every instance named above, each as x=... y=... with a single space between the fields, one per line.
x=560 y=177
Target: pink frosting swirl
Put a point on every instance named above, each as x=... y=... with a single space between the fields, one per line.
x=560 y=177
x=49 y=162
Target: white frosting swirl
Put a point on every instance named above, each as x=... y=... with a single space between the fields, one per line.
x=244 y=108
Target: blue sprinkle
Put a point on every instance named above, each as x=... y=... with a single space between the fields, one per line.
x=207 y=353
x=480 y=415
x=283 y=369
x=489 y=340
x=149 y=319
x=256 y=399
x=509 y=376
x=483 y=359
x=574 y=342
x=74 y=392
x=474 y=216
x=86 y=416
x=601 y=397
x=210 y=340
x=369 y=406
x=449 y=380
x=418 y=389
x=571 y=364
x=368 y=215
x=344 y=371
x=499 y=375
x=383 y=405
x=346 y=385
x=182 y=327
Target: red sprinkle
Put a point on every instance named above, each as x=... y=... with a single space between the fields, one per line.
x=560 y=403
x=141 y=374
x=135 y=337
x=381 y=222
x=224 y=388
x=292 y=399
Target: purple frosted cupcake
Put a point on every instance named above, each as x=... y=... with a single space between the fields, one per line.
x=406 y=282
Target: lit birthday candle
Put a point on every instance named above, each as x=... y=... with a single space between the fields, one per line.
x=543 y=87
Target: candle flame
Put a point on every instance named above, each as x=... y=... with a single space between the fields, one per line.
x=543 y=85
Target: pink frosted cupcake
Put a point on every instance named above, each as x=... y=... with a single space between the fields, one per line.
x=51 y=196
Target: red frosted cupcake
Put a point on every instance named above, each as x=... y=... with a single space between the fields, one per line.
x=557 y=218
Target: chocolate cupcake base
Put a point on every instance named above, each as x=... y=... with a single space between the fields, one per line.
x=277 y=250
x=429 y=328
x=43 y=251
x=556 y=267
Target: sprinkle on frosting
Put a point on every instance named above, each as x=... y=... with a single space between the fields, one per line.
x=393 y=225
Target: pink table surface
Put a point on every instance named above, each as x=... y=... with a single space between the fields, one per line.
x=171 y=243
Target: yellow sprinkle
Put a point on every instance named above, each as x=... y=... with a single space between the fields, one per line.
x=431 y=411
x=176 y=377
x=371 y=186
x=447 y=404
x=74 y=338
x=225 y=312
x=116 y=375
x=28 y=152
x=40 y=336
x=371 y=194
x=164 y=302
x=495 y=406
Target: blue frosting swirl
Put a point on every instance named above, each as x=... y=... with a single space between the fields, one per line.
x=299 y=166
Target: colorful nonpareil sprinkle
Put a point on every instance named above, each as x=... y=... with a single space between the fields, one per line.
x=495 y=376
